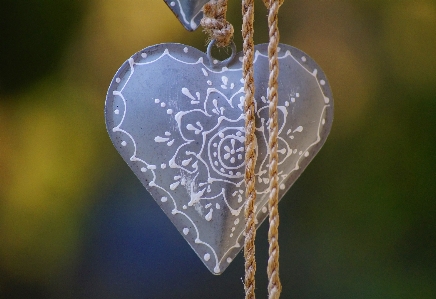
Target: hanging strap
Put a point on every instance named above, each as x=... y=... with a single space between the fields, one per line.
x=250 y=147
x=274 y=285
x=215 y=24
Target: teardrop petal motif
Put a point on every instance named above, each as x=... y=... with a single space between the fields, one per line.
x=177 y=119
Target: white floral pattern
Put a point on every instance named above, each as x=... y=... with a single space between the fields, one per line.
x=184 y=137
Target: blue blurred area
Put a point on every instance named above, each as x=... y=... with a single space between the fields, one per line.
x=132 y=250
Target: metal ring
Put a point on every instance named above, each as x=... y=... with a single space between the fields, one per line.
x=223 y=63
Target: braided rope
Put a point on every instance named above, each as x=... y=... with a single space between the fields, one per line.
x=250 y=148
x=215 y=24
x=274 y=285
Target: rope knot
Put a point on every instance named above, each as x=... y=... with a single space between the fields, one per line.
x=215 y=24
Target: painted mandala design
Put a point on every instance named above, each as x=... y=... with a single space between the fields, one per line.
x=179 y=124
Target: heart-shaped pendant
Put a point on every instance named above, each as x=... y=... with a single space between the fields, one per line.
x=189 y=12
x=176 y=116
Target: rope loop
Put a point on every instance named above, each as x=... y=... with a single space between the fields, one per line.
x=220 y=64
x=214 y=22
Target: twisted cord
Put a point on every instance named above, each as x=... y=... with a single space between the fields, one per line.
x=214 y=22
x=250 y=147
x=274 y=285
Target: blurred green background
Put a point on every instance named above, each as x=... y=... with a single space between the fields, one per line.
x=76 y=223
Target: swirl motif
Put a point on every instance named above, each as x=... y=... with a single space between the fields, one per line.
x=179 y=124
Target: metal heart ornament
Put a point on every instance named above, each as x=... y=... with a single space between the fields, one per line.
x=189 y=12
x=176 y=116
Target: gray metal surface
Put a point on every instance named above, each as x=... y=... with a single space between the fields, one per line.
x=189 y=12
x=177 y=120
